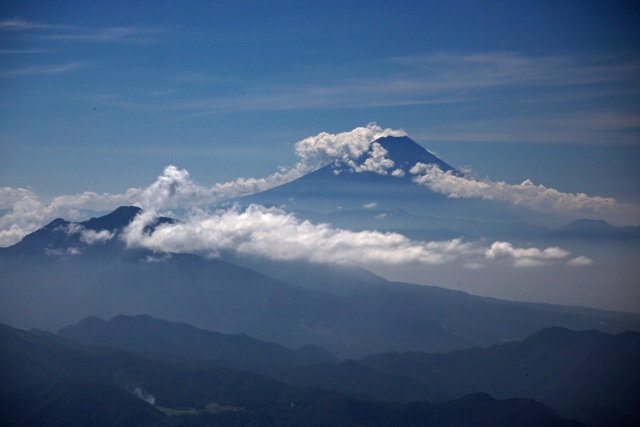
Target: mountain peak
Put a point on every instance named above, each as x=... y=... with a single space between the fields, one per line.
x=389 y=156
x=119 y=218
x=146 y=334
x=381 y=174
x=405 y=153
x=58 y=222
x=60 y=236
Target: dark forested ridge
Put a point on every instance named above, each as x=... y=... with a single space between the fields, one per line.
x=586 y=375
x=180 y=341
x=47 y=382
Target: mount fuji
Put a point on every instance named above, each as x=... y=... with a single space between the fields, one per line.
x=378 y=191
x=351 y=184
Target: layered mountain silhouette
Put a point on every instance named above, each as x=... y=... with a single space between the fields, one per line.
x=303 y=324
x=586 y=375
x=180 y=341
x=50 y=280
x=49 y=381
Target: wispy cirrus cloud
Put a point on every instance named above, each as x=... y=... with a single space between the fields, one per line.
x=141 y=35
x=62 y=32
x=568 y=127
x=21 y=51
x=48 y=69
x=540 y=93
x=490 y=69
x=17 y=24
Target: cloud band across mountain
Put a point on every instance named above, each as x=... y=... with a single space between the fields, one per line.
x=275 y=234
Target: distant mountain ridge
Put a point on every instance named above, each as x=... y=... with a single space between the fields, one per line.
x=586 y=375
x=146 y=335
x=385 y=341
x=345 y=311
x=597 y=229
x=63 y=235
x=47 y=382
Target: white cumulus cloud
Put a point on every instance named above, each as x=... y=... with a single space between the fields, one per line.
x=275 y=234
x=376 y=161
x=24 y=212
x=175 y=188
x=325 y=148
x=581 y=261
x=524 y=257
x=90 y=237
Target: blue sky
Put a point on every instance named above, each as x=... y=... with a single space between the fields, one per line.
x=102 y=96
x=98 y=99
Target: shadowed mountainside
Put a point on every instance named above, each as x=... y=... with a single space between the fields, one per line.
x=46 y=382
x=53 y=278
x=180 y=341
x=587 y=375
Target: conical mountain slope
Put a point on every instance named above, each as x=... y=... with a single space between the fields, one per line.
x=401 y=150
x=342 y=185
x=405 y=153
x=385 y=194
